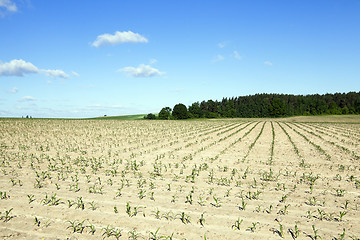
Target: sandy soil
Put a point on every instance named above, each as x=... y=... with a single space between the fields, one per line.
x=93 y=179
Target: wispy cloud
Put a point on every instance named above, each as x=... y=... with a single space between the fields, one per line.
x=141 y=71
x=19 y=67
x=222 y=44
x=237 y=55
x=27 y=99
x=55 y=73
x=117 y=38
x=75 y=74
x=8 y=5
x=268 y=63
x=218 y=58
x=14 y=90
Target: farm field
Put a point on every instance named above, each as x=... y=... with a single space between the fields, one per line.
x=292 y=178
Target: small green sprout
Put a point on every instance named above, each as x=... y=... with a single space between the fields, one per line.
x=236 y=225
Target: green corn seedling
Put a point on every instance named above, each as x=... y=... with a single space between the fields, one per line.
x=243 y=204
x=31 y=198
x=217 y=202
x=202 y=220
x=36 y=221
x=236 y=225
x=253 y=227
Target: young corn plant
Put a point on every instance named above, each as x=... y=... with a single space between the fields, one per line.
x=281 y=231
x=243 y=205
x=3 y=195
x=36 y=221
x=132 y=213
x=185 y=219
x=316 y=236
x=70 y=203
x=201 y=201
x=80 y=203
x=283 y=198
x=236 y=225
x=346 y=205
x=284 y=211
x=152 y=196
x=156 y=213
x=202 y=220
x=118 y=193
x=93 y=205
x=227 y=194
x=31 y=198
x=341 y=215
x=269 y=210
x=173 y=198
x=92 y=228
x=46 y=200
x=134 y=235
x=13 y=182
x=342 y=235
x=309 y=214
x=141 y=193
x=321 y=214
x=54 y=201
x=296 y=232
x=253 y=227
x=155 y=236
x=128 y=209
x=168 y=215
x=116 y=233
x=108 y=231
x=217 y=202
x=189 y=198
x=339 y=192
x=312 y=201
x=76 y=226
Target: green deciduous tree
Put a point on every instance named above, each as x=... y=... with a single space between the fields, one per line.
x=150 y=116
x=195 y=110
x=165 y=113
x=180 y=111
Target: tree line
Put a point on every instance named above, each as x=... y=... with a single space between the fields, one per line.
x=266 y=105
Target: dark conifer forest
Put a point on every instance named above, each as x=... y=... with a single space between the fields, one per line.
x=269 y=105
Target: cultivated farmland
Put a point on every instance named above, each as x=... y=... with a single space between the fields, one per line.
x=214 y=179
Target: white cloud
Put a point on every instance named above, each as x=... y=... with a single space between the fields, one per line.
x=118 y=37
x=8 y=5
x=237 y=55
x=17 y=68
x=75 y=74
x=27 y=99
x=268 y=63
x=20 y=67
x=14 y=90
x=218 y=58
x=141 y=71
x=55 y=73
x=222 y=44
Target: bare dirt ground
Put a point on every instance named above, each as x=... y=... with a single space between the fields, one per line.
x=292 y=178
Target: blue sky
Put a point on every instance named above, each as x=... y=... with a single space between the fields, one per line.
x=90 y=58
